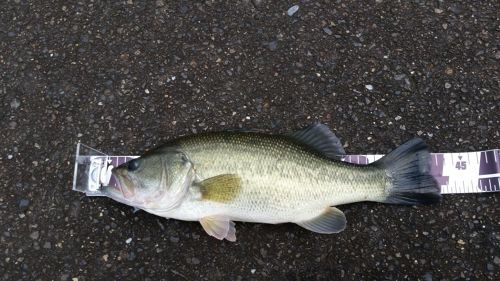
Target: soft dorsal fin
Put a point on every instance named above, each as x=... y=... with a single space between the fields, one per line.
x=331 y=220
x=222 y=188
x=320 y=138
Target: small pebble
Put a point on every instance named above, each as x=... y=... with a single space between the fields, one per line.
x=10 y=156
x=292 y=10
x=128 y=240
x=496 y=260
x=369 y=87
x=24 y=203
x=273 y=45
x=399 y=76
x=456 y=8
x=327 y=30
x=427 y=276
x=447 y=85
x=131 y=256
x=35 y=235
x=257 y=2
x=15 y=103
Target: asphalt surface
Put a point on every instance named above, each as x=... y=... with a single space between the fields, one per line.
x=125 y=76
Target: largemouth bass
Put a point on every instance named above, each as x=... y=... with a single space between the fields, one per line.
x=219 y=178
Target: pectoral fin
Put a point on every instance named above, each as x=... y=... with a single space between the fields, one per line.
x=219 y=227
x=332 y=220
x=222 y=188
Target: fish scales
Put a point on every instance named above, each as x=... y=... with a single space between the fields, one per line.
x=280 y=177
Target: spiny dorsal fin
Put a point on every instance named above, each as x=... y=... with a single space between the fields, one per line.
x=331 y=220
x=221 y=188
x=320 y=138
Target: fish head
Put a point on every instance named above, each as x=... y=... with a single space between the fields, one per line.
x=153 y=181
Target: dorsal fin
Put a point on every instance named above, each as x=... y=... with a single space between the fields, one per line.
x=320 y=138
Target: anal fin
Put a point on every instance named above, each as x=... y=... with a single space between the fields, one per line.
x=332 y=220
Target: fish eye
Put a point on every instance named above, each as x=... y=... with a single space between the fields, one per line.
x=133 y=165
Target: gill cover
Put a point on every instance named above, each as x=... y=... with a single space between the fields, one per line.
x=157 y=181
x=181 y=177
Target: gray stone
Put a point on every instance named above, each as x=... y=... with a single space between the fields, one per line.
x=327 y=30
x=24 y=203
x=35 y=235
x=15 y=103
x=292 y=10
x=496 y=260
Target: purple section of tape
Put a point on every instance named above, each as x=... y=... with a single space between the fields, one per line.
x=437 y=163
x=489 y=164
x=356 y=159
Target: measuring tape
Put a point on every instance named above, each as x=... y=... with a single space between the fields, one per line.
x=463 y=172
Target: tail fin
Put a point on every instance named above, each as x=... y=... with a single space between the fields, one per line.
x=409 y=181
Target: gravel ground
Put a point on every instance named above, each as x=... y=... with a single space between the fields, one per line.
x=125 y=76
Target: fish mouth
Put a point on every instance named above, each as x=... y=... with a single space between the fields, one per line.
x=124 y=185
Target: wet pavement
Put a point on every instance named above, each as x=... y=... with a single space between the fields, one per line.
x=125 y=76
